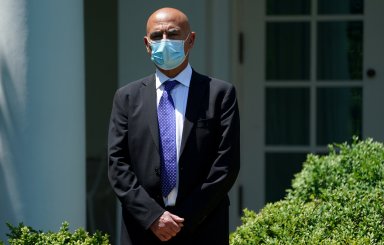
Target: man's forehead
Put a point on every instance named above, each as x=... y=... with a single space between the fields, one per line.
x=164 y=27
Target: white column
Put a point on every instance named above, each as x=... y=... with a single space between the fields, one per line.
x=46 y=153
x=12 y=107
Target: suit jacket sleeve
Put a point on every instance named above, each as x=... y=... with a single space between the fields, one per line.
x=224 y=169
x=134 y=198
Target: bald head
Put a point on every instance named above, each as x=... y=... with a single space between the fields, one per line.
x=167 y=16
x=168 y=21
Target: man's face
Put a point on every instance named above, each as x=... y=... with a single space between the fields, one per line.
x=169 y=25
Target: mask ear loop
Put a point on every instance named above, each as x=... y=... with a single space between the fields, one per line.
x=187 y=37
x=185 y=40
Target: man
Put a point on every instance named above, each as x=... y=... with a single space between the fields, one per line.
x=173 y=144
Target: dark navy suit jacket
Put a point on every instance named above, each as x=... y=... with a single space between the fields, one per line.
x=208 y=166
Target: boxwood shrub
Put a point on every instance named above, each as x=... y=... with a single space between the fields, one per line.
x=25 y=235
x=337 y=198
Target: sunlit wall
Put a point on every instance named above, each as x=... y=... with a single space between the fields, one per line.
x=42 y=144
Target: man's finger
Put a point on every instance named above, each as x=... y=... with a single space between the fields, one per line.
x=176 y=218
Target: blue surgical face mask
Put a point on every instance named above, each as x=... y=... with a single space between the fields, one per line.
x=168 y=54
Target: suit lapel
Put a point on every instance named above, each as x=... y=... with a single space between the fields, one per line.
x=150 y=108
x=196 y=92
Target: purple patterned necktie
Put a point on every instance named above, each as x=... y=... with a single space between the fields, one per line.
x=167 y=127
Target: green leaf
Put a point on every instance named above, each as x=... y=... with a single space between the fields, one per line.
x=336 y=199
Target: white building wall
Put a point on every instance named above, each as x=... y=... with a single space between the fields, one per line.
x=42 y=147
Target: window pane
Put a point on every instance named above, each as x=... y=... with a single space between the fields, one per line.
x=287 y=51
x=340 y=50
x=280 y=170
x=339 y=114
x=287 y=116
x=340 y=6
x=280 y=7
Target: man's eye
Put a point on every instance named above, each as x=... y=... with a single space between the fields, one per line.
x=172 y=35
x=158 y=37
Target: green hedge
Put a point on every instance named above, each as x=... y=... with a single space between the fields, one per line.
x=25 y=235
x=336 y=199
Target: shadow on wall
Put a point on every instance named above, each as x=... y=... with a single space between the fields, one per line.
x=12 y=107
x=10 y=205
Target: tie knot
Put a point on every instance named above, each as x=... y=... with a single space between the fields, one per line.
x=169 y=85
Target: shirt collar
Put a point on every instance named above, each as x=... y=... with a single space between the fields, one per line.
x=184 y=77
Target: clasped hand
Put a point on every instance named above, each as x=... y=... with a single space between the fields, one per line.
x=167 y=226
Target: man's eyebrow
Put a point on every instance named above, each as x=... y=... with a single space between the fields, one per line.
x=173 y=31
x=170 y=31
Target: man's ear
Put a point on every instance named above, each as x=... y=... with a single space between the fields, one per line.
x=147 y=45
x=191 y=41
